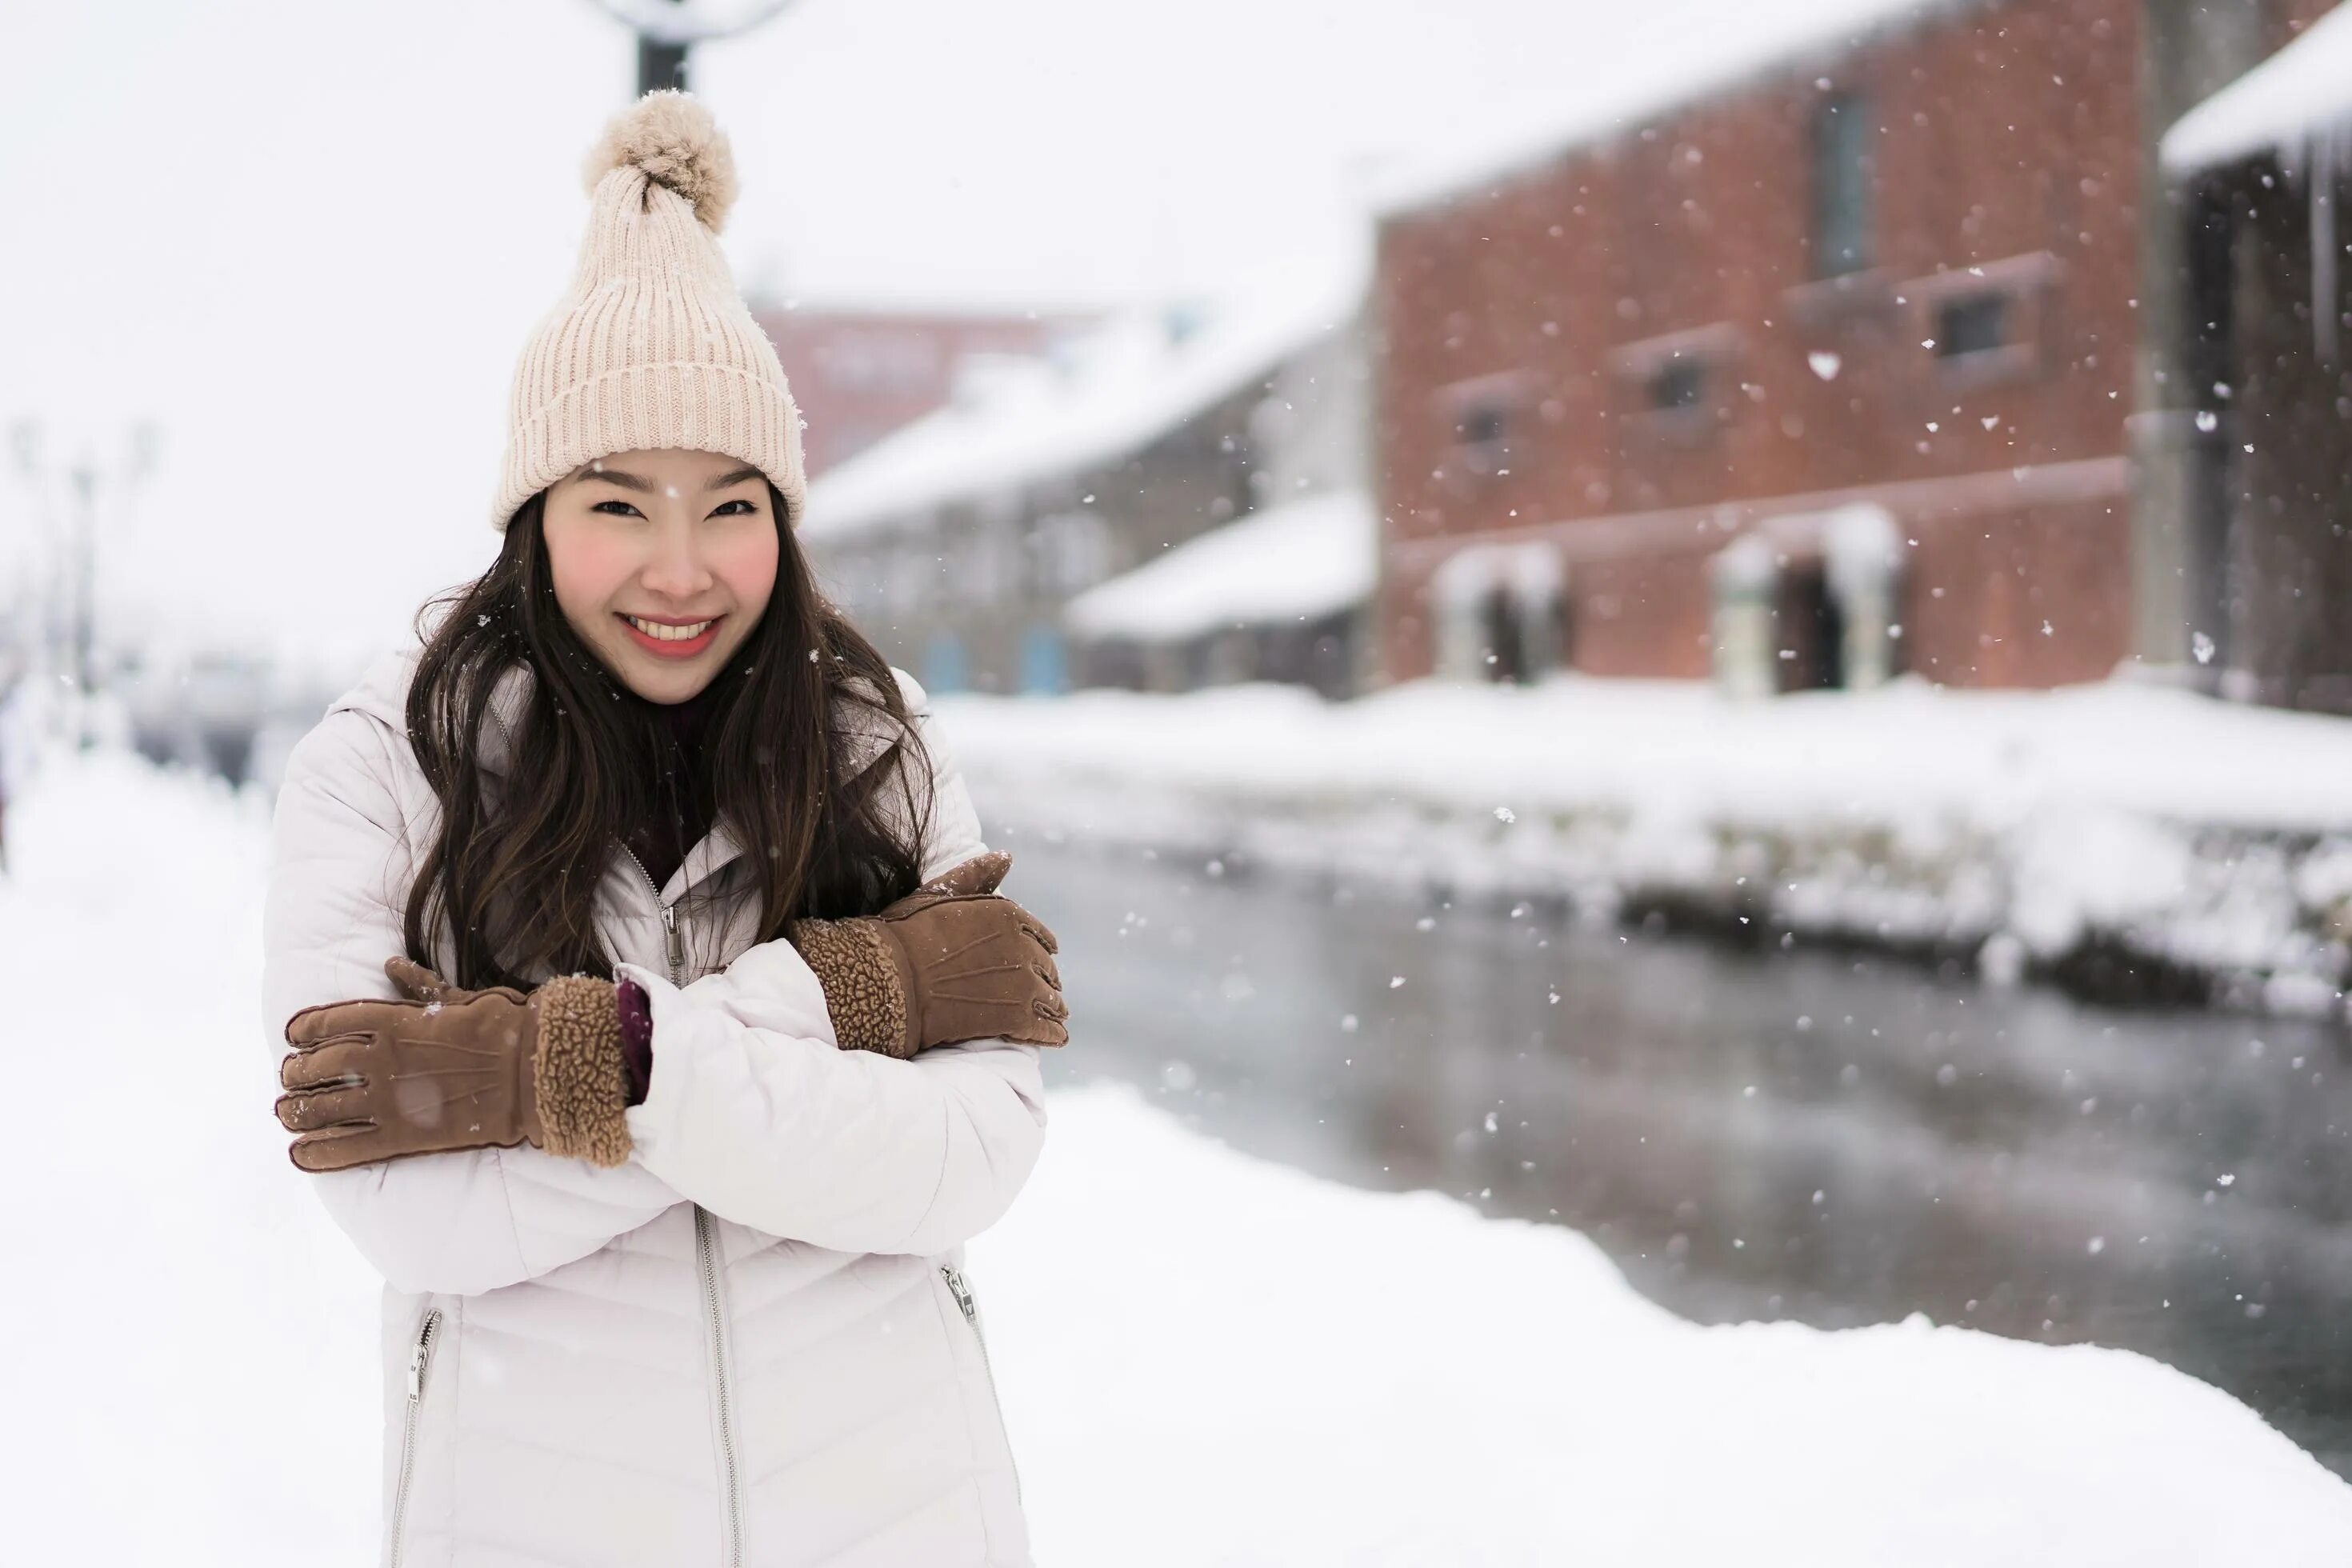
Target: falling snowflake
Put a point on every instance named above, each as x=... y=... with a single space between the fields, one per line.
x=1825 y=365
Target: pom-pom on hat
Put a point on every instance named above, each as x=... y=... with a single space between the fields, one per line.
x=652 y=345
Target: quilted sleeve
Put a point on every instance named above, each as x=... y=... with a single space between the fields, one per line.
x=755 y=1114
x=461 y=1222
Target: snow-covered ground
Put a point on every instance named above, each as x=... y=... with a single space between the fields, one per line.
x=1204 y=1358
x=2024 y=826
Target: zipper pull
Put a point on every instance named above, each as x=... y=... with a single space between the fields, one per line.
x=677 y=948
x=962 y=1295
x=417 y=1363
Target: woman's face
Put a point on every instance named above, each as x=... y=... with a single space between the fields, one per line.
x=652 y=541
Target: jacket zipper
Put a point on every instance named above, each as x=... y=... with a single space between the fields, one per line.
x=702 y=1243
x=971 y=1316
x=419 y=1359
x=705 y=1256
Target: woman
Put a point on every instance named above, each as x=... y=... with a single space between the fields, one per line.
x=666 y=1142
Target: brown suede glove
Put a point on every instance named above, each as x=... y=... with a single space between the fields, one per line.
x=953 y=961
x=447 y=1069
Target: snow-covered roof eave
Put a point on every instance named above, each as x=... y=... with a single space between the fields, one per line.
x=2299 y=96
x=1703 y=50
x=1295 y=562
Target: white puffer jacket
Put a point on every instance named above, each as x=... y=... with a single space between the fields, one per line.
x=752 y=1344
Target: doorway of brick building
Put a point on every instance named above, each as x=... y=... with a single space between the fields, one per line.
x=1809 y=629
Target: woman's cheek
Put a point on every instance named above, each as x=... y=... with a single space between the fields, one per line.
x=592 y=567
x=749 y=571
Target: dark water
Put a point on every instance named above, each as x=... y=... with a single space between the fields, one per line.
x=1825 y=1137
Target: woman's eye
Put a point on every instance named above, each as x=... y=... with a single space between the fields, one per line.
x=624 y=506
x=748 y=508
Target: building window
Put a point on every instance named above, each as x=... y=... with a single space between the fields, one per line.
x=1678 y=383
x=1986 y=322
x=1481 y=418
x=1841 y=180
x=1481 y=437
x=1671 y=386
x=1482 y=425
x=1972 y=324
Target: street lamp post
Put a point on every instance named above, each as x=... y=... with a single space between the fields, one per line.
x=84 y=567
x=73 y=600
x=666 y=30
x=661 y=62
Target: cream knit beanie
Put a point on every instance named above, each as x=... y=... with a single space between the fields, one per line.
x=651 y=345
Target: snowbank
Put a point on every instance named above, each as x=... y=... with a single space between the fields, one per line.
x=1297 y=562
x=1245 y=1365
x=1203 y=1358
x=2035 y=828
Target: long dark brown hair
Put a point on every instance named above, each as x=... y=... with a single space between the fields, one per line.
x=807 y=751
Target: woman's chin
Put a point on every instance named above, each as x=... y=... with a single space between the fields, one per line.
x=662 y=680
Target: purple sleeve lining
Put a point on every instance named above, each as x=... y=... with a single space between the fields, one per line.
x=636 y=1037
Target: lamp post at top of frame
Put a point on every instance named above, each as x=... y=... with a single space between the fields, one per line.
x=668 y=29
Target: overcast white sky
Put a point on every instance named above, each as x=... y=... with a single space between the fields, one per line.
x=308 y=238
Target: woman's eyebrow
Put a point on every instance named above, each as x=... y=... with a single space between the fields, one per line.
x=616 y=477
x=628 y=481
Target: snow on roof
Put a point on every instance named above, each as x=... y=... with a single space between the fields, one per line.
x=1640 y=62
x=2304 y=88
x=1296 y=562
x=1125 y=385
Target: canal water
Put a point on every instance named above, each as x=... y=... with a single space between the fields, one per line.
x=1822 y=1136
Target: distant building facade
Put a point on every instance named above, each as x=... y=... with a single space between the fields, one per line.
x=1281 y=592
x=2264 y=353
x=1815 y=377
x=957 y=543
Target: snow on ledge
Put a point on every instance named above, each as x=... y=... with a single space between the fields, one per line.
x=2302 y=92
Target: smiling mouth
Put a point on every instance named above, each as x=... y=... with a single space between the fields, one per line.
x=689 y=639
x=666 y=633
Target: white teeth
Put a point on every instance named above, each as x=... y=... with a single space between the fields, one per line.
x=670 y=633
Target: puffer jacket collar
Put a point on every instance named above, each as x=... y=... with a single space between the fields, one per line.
x=383 y=692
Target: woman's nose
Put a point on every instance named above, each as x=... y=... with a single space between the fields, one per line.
x=677 y=569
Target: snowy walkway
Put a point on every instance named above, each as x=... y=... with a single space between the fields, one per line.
x=1204 y=1359
x=2019 y=826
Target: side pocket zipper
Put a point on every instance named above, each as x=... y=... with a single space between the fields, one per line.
x=971 y=1315
x=419 y=1360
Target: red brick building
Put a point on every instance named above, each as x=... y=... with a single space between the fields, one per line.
x=859 y=374
x=1897 y=274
